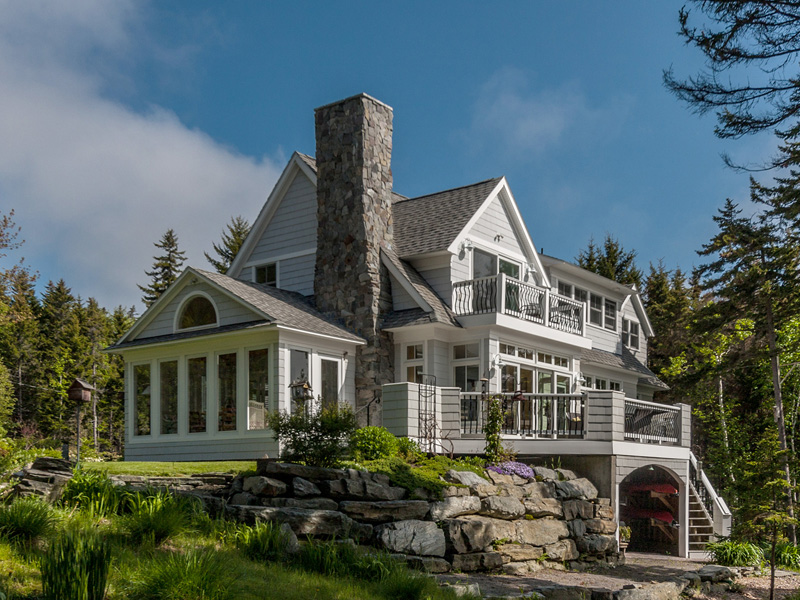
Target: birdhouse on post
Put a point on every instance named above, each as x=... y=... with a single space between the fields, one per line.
x=79 y=392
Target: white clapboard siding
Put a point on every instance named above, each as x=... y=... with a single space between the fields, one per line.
x=229 y=311
x=293 y=227
x=401 y=299
x=441 y=363
x=494 y=226
x=249 y=447
x=436 y=271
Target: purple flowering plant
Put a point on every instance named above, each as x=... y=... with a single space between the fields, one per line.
x=511 y=467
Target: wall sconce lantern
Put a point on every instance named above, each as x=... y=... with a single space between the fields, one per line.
x=466 y=245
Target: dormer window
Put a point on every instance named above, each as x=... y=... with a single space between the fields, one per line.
x=198 y=312
x=267 y=274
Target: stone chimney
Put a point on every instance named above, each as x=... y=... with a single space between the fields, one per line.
x=354 y=216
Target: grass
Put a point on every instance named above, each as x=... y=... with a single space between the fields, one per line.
x=170 y=469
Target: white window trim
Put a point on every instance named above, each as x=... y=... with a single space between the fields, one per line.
x=183 y=397
x=131 y=406
x=176 y=319
x=520 y=261
x=272 y=373
x=340 y=374
x=265 y=264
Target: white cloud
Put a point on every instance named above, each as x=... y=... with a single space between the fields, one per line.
x=93 y=182
x=512 y=118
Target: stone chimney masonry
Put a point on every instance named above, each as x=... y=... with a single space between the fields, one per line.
x=354 y=219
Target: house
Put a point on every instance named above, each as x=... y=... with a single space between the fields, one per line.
x=413 y=311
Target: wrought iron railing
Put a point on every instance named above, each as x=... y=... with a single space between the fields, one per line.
x=535 y=415
x=509 y=296
x=651 y=422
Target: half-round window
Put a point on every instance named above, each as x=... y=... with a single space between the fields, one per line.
x=198 y=312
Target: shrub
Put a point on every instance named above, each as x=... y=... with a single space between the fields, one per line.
x=94 y=492
x=318 y=439
x=787 y=555
x=157 y=517
x=735 y=554
x=26 y=520
x=198 y=574
x=373 y=443
x=409 y=450
x=75 y=566
x=513 y=468
x=264 y=541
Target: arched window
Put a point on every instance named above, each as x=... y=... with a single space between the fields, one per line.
x=197 y=312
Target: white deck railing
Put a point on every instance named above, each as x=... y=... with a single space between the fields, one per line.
x=652 y=422
x=714 y=504
x=509 y=296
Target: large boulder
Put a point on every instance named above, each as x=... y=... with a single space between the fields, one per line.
x=601 y=526
x=322 y=523
x=264 y=486
x=359 y=489
x=539 y=489
x=562 y=550
x=46 y=478
x=473 y=533
x=303 y=488
x=289 y=470
x=578 y=509
x=455 y=506
x=467 y=478
x=310 y=503
x=420 y=538
x=481 y=561
x=519 y=552
x=540 y=532
x=502 y=507
x=576 y=488
x=384 y=512
x=543 y=507
x=596 y=544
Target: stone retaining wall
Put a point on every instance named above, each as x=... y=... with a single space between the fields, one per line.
x=496 y=522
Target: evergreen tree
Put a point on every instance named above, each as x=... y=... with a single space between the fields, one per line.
x=60 y=347
x=755 y=40
x=166 y=267
x=754 y=274
x=612 y=261
x=6 y=401
x=232 y=241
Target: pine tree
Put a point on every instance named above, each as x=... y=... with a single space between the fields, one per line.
x=166 y=267
x=232 y=241
x=754 y=274
x=612 y=261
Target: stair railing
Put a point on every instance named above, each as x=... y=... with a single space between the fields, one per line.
x=714 y=505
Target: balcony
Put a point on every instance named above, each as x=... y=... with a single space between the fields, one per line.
x=578 y=416
x=506 y=295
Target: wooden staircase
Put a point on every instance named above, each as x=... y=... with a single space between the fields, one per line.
x=701 y=524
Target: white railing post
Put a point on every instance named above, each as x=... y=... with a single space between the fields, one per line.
x=501 y=293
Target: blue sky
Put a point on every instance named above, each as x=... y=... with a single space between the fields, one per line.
x=122 y=119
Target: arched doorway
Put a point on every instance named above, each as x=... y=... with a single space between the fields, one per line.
x=649 y=503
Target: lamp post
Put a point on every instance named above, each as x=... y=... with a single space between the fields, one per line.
x=80 y=392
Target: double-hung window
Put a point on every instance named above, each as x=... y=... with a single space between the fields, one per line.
x=414 y=363
x=466 y=369
x=630 y=334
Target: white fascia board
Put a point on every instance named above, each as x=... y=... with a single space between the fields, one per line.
x=503 y=191
x=295 y=166
x=654 y=451
x=591 y=278
x=644 y=320
x=406 y=284
x=217 y=336
x=322 y=335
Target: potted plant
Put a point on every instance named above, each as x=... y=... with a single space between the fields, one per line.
x=624 y=536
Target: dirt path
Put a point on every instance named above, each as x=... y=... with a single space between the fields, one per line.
x=639 y=569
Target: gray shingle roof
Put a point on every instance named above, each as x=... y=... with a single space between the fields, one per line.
x=431 y=223
x=626 y=361
x=441 y=312
x=289 y=309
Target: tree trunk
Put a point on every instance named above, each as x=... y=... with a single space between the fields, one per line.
x=780 y=421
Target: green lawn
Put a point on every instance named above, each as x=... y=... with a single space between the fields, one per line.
x=170 y=469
